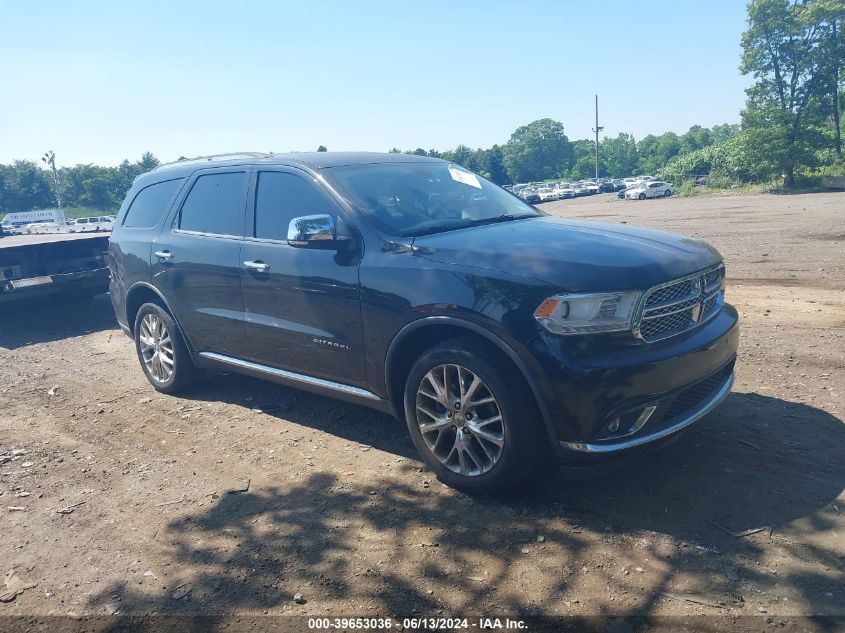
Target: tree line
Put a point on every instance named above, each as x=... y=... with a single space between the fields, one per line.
x=541 y=150
x=790 y=128
x=25 y=185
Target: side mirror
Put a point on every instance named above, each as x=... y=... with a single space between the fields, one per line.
x=313 y=231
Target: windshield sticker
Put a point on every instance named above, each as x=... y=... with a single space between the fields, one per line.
x=465 y=177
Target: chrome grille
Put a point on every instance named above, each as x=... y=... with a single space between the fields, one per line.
x=681 y=305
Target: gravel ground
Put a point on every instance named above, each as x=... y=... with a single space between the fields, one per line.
x=115 y=499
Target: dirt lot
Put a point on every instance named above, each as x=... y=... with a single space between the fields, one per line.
x=124 y=504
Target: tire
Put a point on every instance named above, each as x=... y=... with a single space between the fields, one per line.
x=463 y=454
x=642 y=196
x=667 y=193
x=155 y=345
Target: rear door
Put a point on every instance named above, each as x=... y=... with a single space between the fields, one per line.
x=302 y=313
x=195 y=261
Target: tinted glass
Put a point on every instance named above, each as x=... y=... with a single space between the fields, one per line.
x=280 y=198
x=215 y=205
x=150 y=204
x=418 y=198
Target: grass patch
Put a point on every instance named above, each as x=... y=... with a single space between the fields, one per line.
x=722 y=185
x=84 y=212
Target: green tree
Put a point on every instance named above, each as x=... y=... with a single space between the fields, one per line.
x=654 y=152
x=26 y=186
x=584 y=168
x=322 y=148
x=148 y=162
x=618 y=156
x=784 y=49
x=538 y=151
x=695 y=138
x=462 y=155
x=829 y=17
x=491 y=162
x=720 y=133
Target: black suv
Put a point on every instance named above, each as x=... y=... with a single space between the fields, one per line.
x=500 y=334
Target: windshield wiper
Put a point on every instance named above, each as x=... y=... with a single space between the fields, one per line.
x=437 y=228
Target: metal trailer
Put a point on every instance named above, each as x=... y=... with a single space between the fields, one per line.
x=71 y=264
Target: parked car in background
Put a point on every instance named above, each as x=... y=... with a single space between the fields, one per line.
x=14 y=223
x=649 y=189
x=547 y=194
x=530 y=195
x=606 y=187
x=499 y=334
x=91 y=224
x=565 y=191
x=580 y=190
x=41 y=228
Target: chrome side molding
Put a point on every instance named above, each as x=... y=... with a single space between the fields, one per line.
x=291 y=376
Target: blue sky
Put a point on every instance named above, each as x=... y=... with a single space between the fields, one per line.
x=101 y=81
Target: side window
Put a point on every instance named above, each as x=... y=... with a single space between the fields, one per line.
x=150 y=204
x=215 y=205
x=279 y=198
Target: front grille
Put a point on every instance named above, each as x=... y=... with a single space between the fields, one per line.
x=679 y=306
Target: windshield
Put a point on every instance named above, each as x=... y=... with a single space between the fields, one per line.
x=409 y=199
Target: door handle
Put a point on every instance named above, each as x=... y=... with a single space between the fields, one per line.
x=163 y=254
x=258 y=266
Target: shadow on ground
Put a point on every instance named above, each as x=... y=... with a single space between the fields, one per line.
x=54 y=318
x=406 y=549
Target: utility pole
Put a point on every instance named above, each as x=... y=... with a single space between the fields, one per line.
x=49 y=159
x=597 y=129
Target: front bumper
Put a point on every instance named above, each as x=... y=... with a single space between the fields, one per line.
x=647 y=434
x=603 y=395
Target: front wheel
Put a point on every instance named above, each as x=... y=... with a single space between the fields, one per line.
x=667 y=193
x=164 y=357
x=642 y=196
x=478 y=430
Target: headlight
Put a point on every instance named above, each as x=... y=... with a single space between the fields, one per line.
x=587 y=313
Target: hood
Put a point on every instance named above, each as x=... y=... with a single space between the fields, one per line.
x=572 y=255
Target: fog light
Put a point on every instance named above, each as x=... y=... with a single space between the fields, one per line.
x=613 y=426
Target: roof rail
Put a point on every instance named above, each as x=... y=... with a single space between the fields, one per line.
x=213 y=158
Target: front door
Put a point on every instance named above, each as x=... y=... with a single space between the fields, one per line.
x=196 y=261
x=301 y=306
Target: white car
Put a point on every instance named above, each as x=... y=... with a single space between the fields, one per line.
x=547 y=194
x=41 y=228
x=96 y=224
x=565 y=191
x=650 y=189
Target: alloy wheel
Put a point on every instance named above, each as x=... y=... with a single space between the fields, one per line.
x=460 y=420
x=156 y=348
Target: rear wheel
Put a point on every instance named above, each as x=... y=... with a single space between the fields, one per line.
x=479 y=431
x=164 y=357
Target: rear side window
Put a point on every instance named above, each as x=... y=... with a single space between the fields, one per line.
x=150 y=204
x=215 y=205
x=280 y=198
